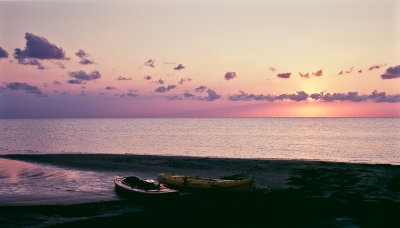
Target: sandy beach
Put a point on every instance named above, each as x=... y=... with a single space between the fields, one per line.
x=286 y=194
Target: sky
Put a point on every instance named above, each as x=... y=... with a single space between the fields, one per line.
x=170 y=58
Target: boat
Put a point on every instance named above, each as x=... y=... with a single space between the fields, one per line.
x=135 y=186
x=231 y=184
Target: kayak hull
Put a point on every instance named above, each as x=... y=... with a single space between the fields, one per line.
x=196 y=183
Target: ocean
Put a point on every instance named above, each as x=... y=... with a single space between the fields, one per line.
x=355 y=140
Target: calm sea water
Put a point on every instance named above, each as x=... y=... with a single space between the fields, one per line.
x=365 y=140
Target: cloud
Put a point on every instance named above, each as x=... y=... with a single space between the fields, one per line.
x=212 y=95
x=57 y=83
x=350 y=70
x=163 y=89
x=120 y=78
x=284 y=75
x=340 y=73
x=179 y=67
x=60 y=65
x=132 y=94
x=3 y=53
x=184 y=80
x=186 y=94
x=375 y=67
x=81 y=53
x=299 y=96
x=73 y=81
x=359 y=71
x=242 y=96
x=304 y=75
x=391 y=73
x=40 y=48
x=148 y=77
x=350 y=96
x=32 y=62
x=86 y=62
x=318 y=73
x=382 y=97
x=272 y=69
x=323 y=97
x=230 y=75
x=160 y=81
x=150 y=63
x=81 y=76
x=110 y=88
x=200 y=89
x=25 y=87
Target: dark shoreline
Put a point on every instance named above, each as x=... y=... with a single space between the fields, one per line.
x=288 y=193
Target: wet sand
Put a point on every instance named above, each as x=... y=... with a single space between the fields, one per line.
x=287 y=194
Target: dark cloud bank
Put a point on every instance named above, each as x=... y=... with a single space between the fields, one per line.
x=325 y=97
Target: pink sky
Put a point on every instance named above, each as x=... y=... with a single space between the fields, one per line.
x=226 y=59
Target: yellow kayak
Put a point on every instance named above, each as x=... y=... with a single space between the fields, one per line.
x=180 y=181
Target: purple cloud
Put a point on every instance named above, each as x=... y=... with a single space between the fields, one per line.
x=324 y=97
x=382 y=97
x=359 y=71
x=318 y=73
x=130 y=94
x=32 y=62
x=284 y=75
x=110 y=88
x=350 y=96
x=184 y=79
x=187 y=95
x=86 y=62
x=349 y=71
x=60 y=65
x=160 y=81
x=57 y=83
x=25 y=87
x=74 y=81
x=148 y=77
x=150 y=63
x=120 y=78
x=230 y=75
x=80 y=76
x=304 y=75
x=200 y=89
x=3 y=53
x=81 y=53
x=375 y=67
x=391 y=73
x=340 y=73
x=40 y=48
x=179 y=67
x=212 y=95
x=163 y=89
x=272 y=69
